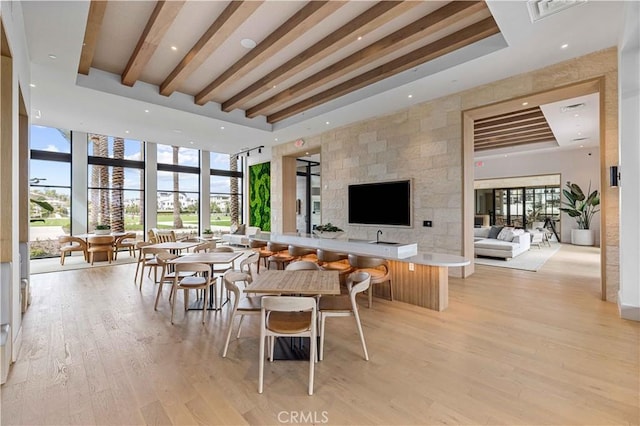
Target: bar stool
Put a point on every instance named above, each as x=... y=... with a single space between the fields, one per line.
x=280 y=256
x=332 y=261
x=302 y=253
x=376 y=267
x=261 y=248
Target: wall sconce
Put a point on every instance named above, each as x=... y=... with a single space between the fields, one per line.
x=614 y=176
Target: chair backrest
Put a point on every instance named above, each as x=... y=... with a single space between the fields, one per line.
x=302 y=265
x=358 y=282
x=150 y=252
x=330 y=256
x=101 y=240
x=288 y=303
x=193 y=267
x=164 y=257
x=223 y=249
x=252 y=258
x=69 y=239
x=231 y=286
x=204 y=247
x=253 y=270
x=276 y=247
x=141 y=244
x=152 y=236
x=300 y=251
x=257 y=244
x=121 y=238
x=367 y=262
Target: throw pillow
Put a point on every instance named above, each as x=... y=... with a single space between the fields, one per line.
x=240 y=230
x=233 y=229
x=495 y=230
x=506 y=234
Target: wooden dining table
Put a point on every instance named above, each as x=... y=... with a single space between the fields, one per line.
x=302 y=282
x=209 y=258
x=100 y=256
x=175 y=246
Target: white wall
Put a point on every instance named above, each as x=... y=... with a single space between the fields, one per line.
x=573 y=165
x=629 y=89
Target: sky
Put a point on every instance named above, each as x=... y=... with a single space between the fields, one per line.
x=59 y=174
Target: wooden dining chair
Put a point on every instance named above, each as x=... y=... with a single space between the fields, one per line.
x=139 y=246
x=100 y=244
x=193 y=282
x=344 y=305
x=287 y=316
x=261 y=248
x=168 y=274
x=250 y=305
x=332 y=261
x=376 y=267
x=70 y=244
x=149 y=261
x=127 y=242
x=204 y=247
x=280 y=256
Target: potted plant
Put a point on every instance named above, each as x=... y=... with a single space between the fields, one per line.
x=327 y=231
x=582 y=207
x=102 y=230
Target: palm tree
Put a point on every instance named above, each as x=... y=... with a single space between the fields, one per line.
x=103 y=173
x=177 y=220
x=117 y=183
x=95 y=183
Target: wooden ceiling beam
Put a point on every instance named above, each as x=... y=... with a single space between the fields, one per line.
x=521 y=119
x=159 y=22
x=91 y=32
x=509 y=114
x=450 y=43
x=306 y=18
x=523 y=125
x=512 y=130
x=542 y=136
x=371 y=19
x=512 y=144
x=427 y=25
x=512 y=135
x=229 y=20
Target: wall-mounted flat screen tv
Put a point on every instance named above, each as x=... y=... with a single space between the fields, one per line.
x=380 y=203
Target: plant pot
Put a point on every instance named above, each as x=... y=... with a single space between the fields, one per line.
x=582 y=237
x=102 y=232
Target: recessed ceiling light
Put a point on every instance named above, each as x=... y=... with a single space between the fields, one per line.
x=525 y=103
x=410 y=96
x=579 y=133
x=327 y=122
x=32 y=85
x=359 y=37
x=506 y=155
x=146 y=110
x=52 y=56
x=576 y=115
x=306 y=153
x=221 y=127
x=274 y=86
x=248 y=43
x=276 y=139
x=126 y=131
x=564 y=46
x=191 y=142
x=177 y=131
x=174 y=48
x=581 y=146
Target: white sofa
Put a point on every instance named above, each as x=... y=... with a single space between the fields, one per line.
x=507 y=246
x=241 y=239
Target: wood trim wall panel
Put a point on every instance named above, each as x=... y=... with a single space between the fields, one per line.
x=289 y=194
x=426 y=286
x=23 y=164
x=6 y=159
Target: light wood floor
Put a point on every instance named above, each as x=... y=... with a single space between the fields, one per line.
x=514 y=347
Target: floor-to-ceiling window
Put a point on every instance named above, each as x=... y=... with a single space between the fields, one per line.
x=178 y=198
x=50 y=189
x=115 y=184
x=225 y=193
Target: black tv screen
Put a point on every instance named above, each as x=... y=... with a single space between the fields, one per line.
x=383 y=203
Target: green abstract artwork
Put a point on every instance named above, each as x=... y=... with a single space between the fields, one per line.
x=260 y=196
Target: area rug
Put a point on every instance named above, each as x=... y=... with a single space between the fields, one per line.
x=532 y=260
x=43 y=266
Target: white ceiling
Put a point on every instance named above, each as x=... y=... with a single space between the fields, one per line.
x=64 y=100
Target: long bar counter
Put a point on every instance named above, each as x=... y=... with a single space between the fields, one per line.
x=419 y=279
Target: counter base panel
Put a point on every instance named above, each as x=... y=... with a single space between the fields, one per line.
x=426 y=286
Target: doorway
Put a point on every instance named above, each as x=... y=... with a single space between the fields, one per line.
x=308 y=199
